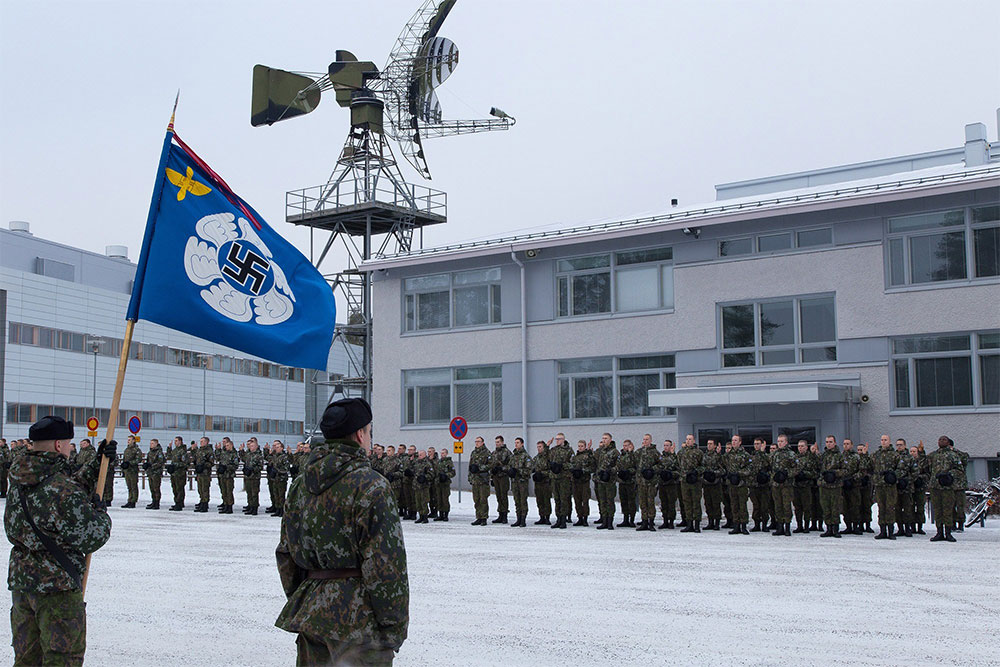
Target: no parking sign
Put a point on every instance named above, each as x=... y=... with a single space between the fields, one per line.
x=134 y=426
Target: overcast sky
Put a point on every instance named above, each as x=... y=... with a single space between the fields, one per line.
x=620 y=105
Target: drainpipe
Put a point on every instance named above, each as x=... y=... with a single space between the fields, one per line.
x=524 y=346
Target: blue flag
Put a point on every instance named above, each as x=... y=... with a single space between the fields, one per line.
x=212 y=267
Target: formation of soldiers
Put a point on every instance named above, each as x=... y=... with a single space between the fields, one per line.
x=770 y=484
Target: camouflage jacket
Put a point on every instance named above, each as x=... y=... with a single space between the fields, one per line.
x=669 y=468
x=627 y=468
x=688 y=462
x=59 y=501
x=738 y=463
x=392 y=469
x=786 y=461
x=228 y=461
x=540 y=473
x=278 y=464
x=807 y=470
x=581 y=466
x=298 y=461
x=559 y=460
x=340 y=514
x=131 y=458
x=884 y=459
x=760 y=468
x=852 y=467
x=4 y=455
x=378 y=464
x=178 y=461
x=253 y=463
x=866 y=468
x=154 y=461
x=944 y=462
x=923 y=473
x=712 y=468
x=203 y=459
x=84 y=458
x=480 y=461
x=606 y=461
x=423 y=473
x=963 y=475
x=648 y=464
x=500 y=461
x=520 y=464
x=831 y=461
x=445 y=469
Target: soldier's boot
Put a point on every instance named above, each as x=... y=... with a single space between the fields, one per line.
x=756 y=526
x=176 y=507
x=438 y=517
x=278 y=512
x=501 y=518
x=717 y=524
x=665 y=525
x=624 y=523
x=631 y=520
x=788 y=529
x=475 y=523
x=836 y=531
x=940 y=535
x=445 y=516
x=683 y=523
x=882 y=533
x=959 y=526
x=562 y=521
x=828 y=533
x=859 y=529
x=128 y=506
x=421 y=519
x=743 y=529
x=641 y=526
x=149 y=506
x=433 y=514
x=542 y=521
x=735 y=530
x=948 y=536
x=908 y=530
x=868 y=527
x=222 y=509
x=270 y=508
x=697 y=526
x=799 y=527
x=580 y=521
x=253 y=511
x=900 y=530
x=689 y=528
x=918 y=528
x=779 y=531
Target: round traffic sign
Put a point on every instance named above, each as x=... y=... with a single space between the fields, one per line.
x=92 y=423
x=458 y=427
x=134 y=424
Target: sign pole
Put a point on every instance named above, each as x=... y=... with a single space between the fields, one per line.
x=458 y=427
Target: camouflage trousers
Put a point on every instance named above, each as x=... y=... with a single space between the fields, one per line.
x=434 y=495
x=316 y=651
x=226 y=487
x=627 y=495
x=802 y=502
x=606 y=492
x=865 y=508
x=713 y=501
x=958 y=512
x=132 y=483
x=422 y=499
x=481 y=499
x=581 y=496
x=647 y=500
x=501 y=485
x=943 y=506
x=177 y=481
x=407 y=503
x=155 y=479
x=738 y=501
x=886 y=496
x=519 y=487
x=904 y=511
x=920 y=505
x=831 y=500
x=817 y=506
x=48 y=628
x=852 y=504
x=691 y=497
x=443 y=497
x=727 y=503
x=204 y=483
x=781 y=497
x=3 y=479
x=251 y=484
x=760 y=496
x=668 y=500
x=562 y=489
x=543 y=499
x=278 y=499
x=109 y=486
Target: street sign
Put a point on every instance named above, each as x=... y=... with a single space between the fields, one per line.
x=458 y=427
x=134 y=424
x=92 y=425
x=458 y=447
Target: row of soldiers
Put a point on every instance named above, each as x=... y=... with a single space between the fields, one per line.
x=420 y=481
x=776 y=480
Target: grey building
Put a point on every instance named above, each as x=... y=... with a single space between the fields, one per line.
x=853 y=301
x=62 y=311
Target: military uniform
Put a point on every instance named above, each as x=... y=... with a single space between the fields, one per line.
x=712 y=473
x=131 y=459
x=4 y=468
x=479 y=478
x=669 y=488
x=423 y=476
x=806 y=472
x=886 y=472
x=962 y=477
x=253 y=465
x=520 y=472
x=628 y=466
x=109 y=481
x=920 y=481
x=908 y=471
x=153 y=465
x=84 y=458
x=606 y=484
x=203 y=458
x=784 y=466
x=866 y=471
x=227 y=461
x=760 y=488
x=559 y=458
x=946 y=465
x=499 y=463
x=277 y=472
x=434 y=493
x=445 y=473
x=648 y=464
x=689 y=464
x=582 y=466
x=177 y=466
x=738 y=475
x=831 y=468
x=851 y=484
x=409 y=507
x=542 y=478
x=393 y=471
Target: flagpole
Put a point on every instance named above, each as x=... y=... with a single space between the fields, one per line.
x=102 y=475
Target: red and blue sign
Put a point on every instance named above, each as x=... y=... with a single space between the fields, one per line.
x=134 y=424
x=458 y=427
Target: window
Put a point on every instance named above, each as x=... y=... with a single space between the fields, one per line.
x=464 y=299
x=636 y=377
x=735 y=247
x=799 y=330
x=954 y=370
x=428 y=396
x=630 y=281
x=476 y=297
x=609 y=387
x=433 y=396
x=776 y=242
x=943 y=246
x=586 y=389
x=479 y=394
x=814 y=237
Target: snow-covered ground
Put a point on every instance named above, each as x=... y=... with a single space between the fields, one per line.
x=201 y=589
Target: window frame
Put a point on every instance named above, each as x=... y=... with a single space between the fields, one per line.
x=495 y=387
x=754 y=239
x=494 y=295
x=613 y=269
x=758 y=348
x=975 y=353
x=615 y=374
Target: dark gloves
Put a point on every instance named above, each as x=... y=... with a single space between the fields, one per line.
x=145 y=465
x=538 y=477
x=604 y=476
x=221 y=468
x=126 y=465
x=945 y=479
x=170 y=468
x=109 y=449
x=512 y=472
x=648 y=473
x=474 y=468
x=98 y=503
x=709 y=476
x=890 y=477
x=734 y=478
x=800 y=477
x=577 y=473
x=409 y=473
x=556 y=467
x=866 y=480
x=271 y=471
x=666 y=475
x=902 y=484
x=293 y=470
x=496 y=470
x=691 y=477
x=443 y=477
x=246 y=471
x=829 y=477
x=421 y=478
x=780 y=476
x=848 y=483
x=762 y=478
x=919 y=484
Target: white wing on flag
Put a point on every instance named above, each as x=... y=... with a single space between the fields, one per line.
x=251 y=235
x=225 y=299
x=280 y=282
x=272 y=308
x=201 y=262
x=217 y=228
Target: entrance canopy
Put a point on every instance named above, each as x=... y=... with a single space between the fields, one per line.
x=781 y=393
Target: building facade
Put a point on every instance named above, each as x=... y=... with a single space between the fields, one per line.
x=852 y=301
x=62 y=311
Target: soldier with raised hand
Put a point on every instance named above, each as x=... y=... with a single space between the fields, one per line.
x=499 y=463
x=962 y=479
x=851 y=484
x=479 y=477
x=341 y=556
x=581 y=467
x=689 y=463
x=784 y=466
x=627 y=470
x=228 y=461
x=53 y=521
x=4 y=466
x=648 y=464
x=806 y=472
x=542 y=477
x=153 y=465
x=177 y=467
x=738 y=475
x=831 y=468
x=253 y=464
x=712 y=473
x=669 y=485
x=760 y=485
x=945 y=465
x=445 y=473
x=606 y=481
x=423 y=475
x=866 y=471
x=559 y=462
x=920 y=480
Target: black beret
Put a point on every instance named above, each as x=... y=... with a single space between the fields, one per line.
x=50 y=428
x=344 y=417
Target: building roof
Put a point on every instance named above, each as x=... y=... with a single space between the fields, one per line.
x=922 y=183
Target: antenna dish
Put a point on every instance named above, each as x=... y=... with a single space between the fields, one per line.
x=279 y=95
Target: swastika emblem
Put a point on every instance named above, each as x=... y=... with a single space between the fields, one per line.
x=245 y=266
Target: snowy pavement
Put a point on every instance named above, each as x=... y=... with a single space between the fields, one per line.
x=201 y=589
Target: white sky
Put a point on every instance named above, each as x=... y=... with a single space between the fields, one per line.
x=620 y=105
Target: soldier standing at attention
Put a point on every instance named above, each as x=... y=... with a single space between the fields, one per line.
x=760 y=486
x=886 y=473
x=831 y=467
x=727 y=501
x=109 y=482
x=131 y=458
x=922 y=476
x=649 y=467
x=423 y=475
x=393 y=472
x=479 y=477
x=253 y=464
x=499 y=464
x=542 y=478
x=559 y=458
x=670 y=485
x=4 y=466
x=865 y=470
x=807 y=469
x=908 y=469
x=228 y=461
x=445 y=473
x=712 y=472
x=53 y=522
x=177 y=467
x=605 y=481
x=784 y=465
x=581 y=466
x=153 y=465
x=852 y=488
x=409 y=504
x=946 y=465
x=341 y=556
x=689 y=462
x=628 y=465
x=278 y=469
x=203 y=458
x=739 y=472
x=433 y=458
x=817 y=516
x=519 y=472
x=962 y=477
x=86 y=454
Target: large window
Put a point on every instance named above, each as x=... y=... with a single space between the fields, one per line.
x=622 y=282
x=776 y=242
x=607 y=387
x=953 y=370
x=944 y=246
x=434 y=396
x=777 y=332
x=464 y=299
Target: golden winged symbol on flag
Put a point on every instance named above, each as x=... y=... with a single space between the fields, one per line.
x=187 y=183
